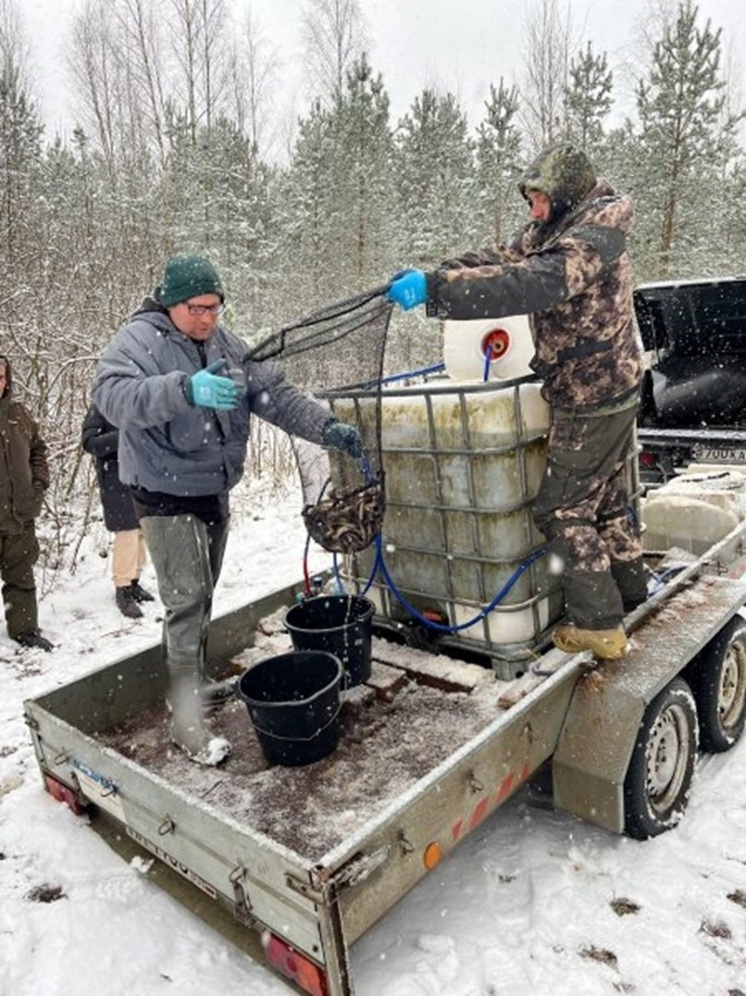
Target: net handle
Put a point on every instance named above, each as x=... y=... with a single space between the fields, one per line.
x=339 y=307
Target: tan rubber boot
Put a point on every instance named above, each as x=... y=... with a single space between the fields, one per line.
x=607 y=644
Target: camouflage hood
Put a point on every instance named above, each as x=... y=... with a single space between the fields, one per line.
x=564 y=174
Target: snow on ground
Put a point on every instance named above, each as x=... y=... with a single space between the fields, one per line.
x=534 y=902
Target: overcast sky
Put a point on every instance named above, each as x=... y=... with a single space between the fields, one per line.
x=460 y=46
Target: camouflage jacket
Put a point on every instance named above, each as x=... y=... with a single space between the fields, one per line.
x=575 y=282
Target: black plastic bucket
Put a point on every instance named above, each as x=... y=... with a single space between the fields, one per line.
x=339 y=624
x=293 y=702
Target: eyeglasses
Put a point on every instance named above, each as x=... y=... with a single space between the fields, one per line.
x=198 y=310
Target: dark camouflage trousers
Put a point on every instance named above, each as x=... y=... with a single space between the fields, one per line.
x=583 y=509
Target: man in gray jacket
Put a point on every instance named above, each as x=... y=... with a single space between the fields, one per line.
x=183 y=433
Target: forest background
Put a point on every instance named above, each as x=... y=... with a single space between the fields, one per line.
x=170 y=151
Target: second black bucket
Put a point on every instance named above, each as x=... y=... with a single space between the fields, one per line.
x=293 y=702
x=339 y=624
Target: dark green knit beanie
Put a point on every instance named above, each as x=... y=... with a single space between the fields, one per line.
x=188 y=276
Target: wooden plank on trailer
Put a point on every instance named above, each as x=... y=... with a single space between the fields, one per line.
x=445 y=673
x=386 y=681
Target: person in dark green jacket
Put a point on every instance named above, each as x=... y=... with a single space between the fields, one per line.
x=24 y=477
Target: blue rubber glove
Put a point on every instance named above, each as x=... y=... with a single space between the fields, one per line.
x=408 y=289
x=205 y=390
x=343 y=437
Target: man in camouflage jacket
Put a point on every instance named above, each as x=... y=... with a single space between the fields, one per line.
x=570 y=271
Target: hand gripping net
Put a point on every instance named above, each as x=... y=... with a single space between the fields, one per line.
x=337 y=354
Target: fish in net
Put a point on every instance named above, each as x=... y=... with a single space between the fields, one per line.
x=339 y=351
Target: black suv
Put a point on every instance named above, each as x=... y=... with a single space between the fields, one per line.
x=694 y=391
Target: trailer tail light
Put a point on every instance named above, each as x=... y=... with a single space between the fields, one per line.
x=63 y=793
x=305 y=974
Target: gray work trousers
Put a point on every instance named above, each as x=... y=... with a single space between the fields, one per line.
x=187 y=555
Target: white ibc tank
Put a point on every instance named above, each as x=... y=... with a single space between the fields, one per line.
x=463 y=463
x=466 y=345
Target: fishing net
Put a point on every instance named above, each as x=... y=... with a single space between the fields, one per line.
x=337 y=350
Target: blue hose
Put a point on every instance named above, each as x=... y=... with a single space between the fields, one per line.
x=487 y=361
x=380 y=564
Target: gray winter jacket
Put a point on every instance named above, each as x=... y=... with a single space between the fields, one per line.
x=168 y=445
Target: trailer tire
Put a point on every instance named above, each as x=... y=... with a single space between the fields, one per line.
x=659 y=776
x=719 y=686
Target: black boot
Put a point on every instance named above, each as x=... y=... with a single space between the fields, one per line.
x=632 y=580
x=127 y=604
x=35 y=640
x=140 y=594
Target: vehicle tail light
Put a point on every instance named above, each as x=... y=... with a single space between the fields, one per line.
x=296 y=966
x=647 y=459
x=63 y=793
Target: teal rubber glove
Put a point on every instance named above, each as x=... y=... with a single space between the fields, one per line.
x=408 y=289
x=206 y=390
x=343 y=437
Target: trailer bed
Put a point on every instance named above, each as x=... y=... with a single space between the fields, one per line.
x=311 y=857
x=389 y=739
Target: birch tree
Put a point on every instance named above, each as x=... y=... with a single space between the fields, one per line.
x=334 y=37
x=198 y=41
x=253 y=73
x=548 y=49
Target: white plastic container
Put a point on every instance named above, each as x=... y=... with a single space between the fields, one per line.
x=466 y=344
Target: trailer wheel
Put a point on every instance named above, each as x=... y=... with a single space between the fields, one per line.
x=719 y=686
x=659 y=776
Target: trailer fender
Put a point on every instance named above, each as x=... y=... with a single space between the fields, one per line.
x=594 y=750
x=598 y=736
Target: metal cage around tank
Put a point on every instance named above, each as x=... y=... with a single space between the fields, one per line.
x=459 y=558
x=462 y=464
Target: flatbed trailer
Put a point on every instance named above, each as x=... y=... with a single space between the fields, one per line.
x=307 y=859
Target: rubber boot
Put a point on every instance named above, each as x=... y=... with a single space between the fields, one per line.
x=592 y=599
x=606 y=644
x=187 y=727
x=34 y=640
x=631 y=579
